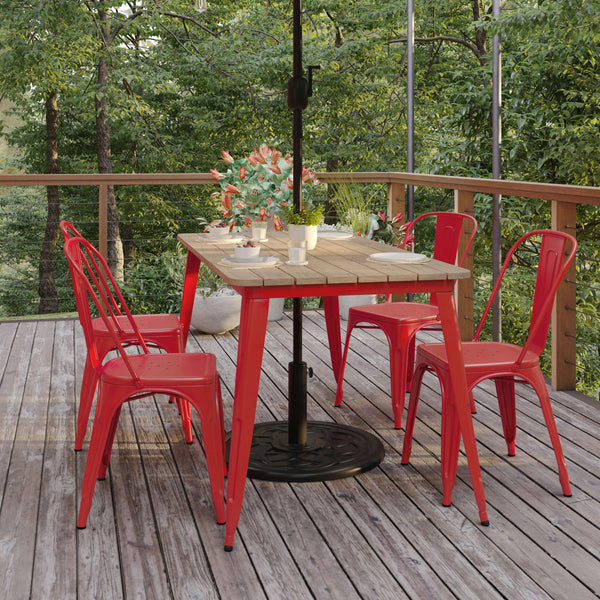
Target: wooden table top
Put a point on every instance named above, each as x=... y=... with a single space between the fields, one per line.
x=333 y=261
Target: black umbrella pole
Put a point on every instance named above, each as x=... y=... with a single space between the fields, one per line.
x=297 y=420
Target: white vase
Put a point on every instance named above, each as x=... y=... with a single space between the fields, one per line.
x=346 y=302
x=218 y=313
x=307 y=233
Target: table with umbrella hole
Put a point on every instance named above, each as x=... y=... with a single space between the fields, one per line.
x=298 y=449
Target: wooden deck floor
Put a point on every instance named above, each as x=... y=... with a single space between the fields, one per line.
x=383 y=534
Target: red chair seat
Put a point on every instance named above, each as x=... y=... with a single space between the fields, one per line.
x=389 y=313
x=153 y=369
x=151 y=325
x=478 y=356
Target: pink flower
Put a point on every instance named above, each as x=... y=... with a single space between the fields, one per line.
x=227 y=157
x=226 y=201
x=398 y=217
x=275 y=169
x=242 y=172
x=381 y=215
x=218 y=176
x=277 y=223
x=232 y=189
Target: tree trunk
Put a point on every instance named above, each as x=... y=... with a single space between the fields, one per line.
x=47 y=285
x=115 y=246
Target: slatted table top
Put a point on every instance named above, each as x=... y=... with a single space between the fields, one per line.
x=332 y=262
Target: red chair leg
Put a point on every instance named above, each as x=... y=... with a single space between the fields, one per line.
x=505 y=389
x=410 y=362
x=450 y=445
x=339 y=394
x=409 y=426
x=398 y=365
x=109 y=444
x=540 y=387
x=186 y=419
x=86 y=398
x=215 y=459
x=219 y=410
x=103 y=423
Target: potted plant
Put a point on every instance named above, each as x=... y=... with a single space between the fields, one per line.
x=355 y=210
x=256 y=189
x=303 y=225
x=217 y=307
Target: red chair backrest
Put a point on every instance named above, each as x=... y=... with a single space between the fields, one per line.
x=69 y=231
x=95 y=281
x=449 y=228
x=554 y=259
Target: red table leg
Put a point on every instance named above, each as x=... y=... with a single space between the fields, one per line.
x=460 y=413
x=253 y=327
x=192 y=268
x=332 y=320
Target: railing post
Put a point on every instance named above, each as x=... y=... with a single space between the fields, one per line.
x=463 y=203
x=564 y=316
x=395 y=200
x=103 y=220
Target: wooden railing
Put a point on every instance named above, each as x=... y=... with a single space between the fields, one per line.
x=564 y=201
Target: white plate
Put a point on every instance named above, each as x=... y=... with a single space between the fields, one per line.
x=335 y=235
x=399 y=257
x=230 y=238
x=260 y=261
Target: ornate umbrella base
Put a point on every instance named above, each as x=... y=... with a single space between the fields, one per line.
x=332 y=451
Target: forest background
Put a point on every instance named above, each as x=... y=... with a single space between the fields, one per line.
x=159 y=86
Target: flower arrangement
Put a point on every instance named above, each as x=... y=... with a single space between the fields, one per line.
x=257 y=187
x=389 y=232
x=356 y=211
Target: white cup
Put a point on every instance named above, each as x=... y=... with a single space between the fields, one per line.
x=297 y=252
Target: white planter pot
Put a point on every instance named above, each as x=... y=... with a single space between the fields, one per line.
x=275 y=309
x=346 y=302
x=216 y=314
x=307 y=233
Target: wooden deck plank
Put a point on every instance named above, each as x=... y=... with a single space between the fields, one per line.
x=20 y=501
x=384 y=534
x=55 y=571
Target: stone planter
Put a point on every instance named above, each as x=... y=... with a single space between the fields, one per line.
x=346 y=302
x=218 y=313
x=275 y=309
x=307 y=233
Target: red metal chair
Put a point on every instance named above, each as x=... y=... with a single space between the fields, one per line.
x=158 y=330
x=503 y=362
x=400 y=321
x=191 y=376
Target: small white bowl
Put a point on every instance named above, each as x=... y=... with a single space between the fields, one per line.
x=246 y=252
x=215 y=231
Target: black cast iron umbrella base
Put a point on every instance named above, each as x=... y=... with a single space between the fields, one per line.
x=332 y=451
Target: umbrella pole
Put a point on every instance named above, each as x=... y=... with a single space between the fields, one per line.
x=297 y=100
x=298 y=450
